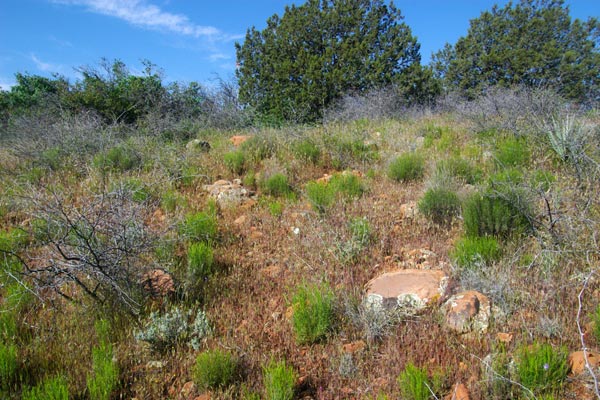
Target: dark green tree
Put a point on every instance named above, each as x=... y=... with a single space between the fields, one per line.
x=533 y=43
x=319 y=51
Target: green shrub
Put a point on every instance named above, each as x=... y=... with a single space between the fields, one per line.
x=488 y=215
x=307 y=150
x=542 y=179
x=235 y=161
x=214 y=369
x=259 y=147
x=105 y=376
x=440 y=205
x=279 y=381
x=596 y=322
x=8 y=364
x=200 y=262
x=541 y=367
x=414 y=384
x=170 y=200
x=407 y=167
x=275 y=208
x=249 y=180
x=360 y=230
x=473 y=251
x=200 y=227
x=313 y=316
x=277 y=185
x=52 y=158
x=459 y=168
x=512 y=152
x=55 y=388
x=120 y=158
x=346 y=152
x=348 y=184
x=320 y=195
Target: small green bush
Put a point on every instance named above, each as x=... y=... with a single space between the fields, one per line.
x=596 y=322
x=235 y=161
x=474 y=251
x=541 y=367
x=55 y=388
x=307 y=150
x=488 y=215
x=360 y=230
x=407 y=167
x=275 y=208
x=8 y=365
x=414 y=383
x=277 y=185
x=320 y=195
x=440 y=205
x=120 y=158
x=200 y=227
x=170 y=200
x=459 y=168
x=259 y=147
x=105 y=376
x=313 y=316
x=279 y=381
x=214 y=369
x=348 y=184
x=52 y=158
x=200 y=262
x=512 y=152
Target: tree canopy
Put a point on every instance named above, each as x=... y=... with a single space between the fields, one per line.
x=533 y=43
x=321 y=50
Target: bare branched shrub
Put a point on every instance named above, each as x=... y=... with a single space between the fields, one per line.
x=95 y=243
x=375 y=104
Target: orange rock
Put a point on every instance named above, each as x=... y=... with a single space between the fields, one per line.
x=239 y=139
x=354 y=347
x=504 y=337
x=256 y=234
x=468 y=311
x=158 y=282
x=188 y=390
x=459 y=392
x=203 y=396
x=577 y=361
x=241 y=220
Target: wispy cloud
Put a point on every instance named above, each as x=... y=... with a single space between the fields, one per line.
x=46 y=66
x=144 y=14
x=218 y=56
x=5 y=84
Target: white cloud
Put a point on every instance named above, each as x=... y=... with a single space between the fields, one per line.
x=141 y=13
x=5 y=85
x=218 y=56
x=46 y=66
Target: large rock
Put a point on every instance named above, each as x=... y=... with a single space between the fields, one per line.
x=468 y=311
x=577 y=361
x=409 y=290
x=459 y=392
x=228 y=193
x=159 y=283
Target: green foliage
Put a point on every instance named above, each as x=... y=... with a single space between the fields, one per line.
x=200 y=262
x=459 y=168
x=541 y=367
x=512 y=152
x=8 y=364
x=361 y=236
x=347 y=152
x=105 y=376
x=407 y=167
x=138 y=189
x=321 y=195
x=348 y=184
x=200 y=227
x=474 y=251
x=277 y=185
x=120 y=158
x=317 y=52
x=275 y=208
x=414 y=383
x=489 y=215
x=313 y=316
x=170 y=199
x=279 y=381
x=440 y=205
x=214 y=369
x=307 y=150
x=596 y=322
x=235 y=161
x=55 y=388
x=259 y=147
x=52 y=158
x=540 y=46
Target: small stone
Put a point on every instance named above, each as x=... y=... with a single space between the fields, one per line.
x=577 y=361
x=469 y=311
x=256 y=234
x=188 y=390
x=459 y=392
x=504 y=337
x=239 y=139
x=241 y=220
x=354 y=347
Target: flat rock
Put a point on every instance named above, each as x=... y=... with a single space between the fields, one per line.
x=158 y=282
x=459 y=392
x=409 y=290
x=228 y=193
x=577 y=361
x=468 y=311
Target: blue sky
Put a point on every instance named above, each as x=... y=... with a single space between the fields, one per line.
x=191 y=40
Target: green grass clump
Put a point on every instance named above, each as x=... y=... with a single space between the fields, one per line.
x=489 y=215
x=348 y=184
x=277 y=185
x=279 y=381
x=541 y=367
x=596 y=322
x=119 y=158
x=259 y=147
x=105 y=376
x=313 y=316
x=320 y=195
x=474 y=251
x=459 y=168
x=440 y=205
x=170 y=200
x=200 y=261
x=8 y=365
x=235 y=161
x=200 y=227
x=407 y=167
x=214 y=369
x=275 y=208
x=55 y=388
x=307 y=150
x=414 y=383
x=512 y=152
